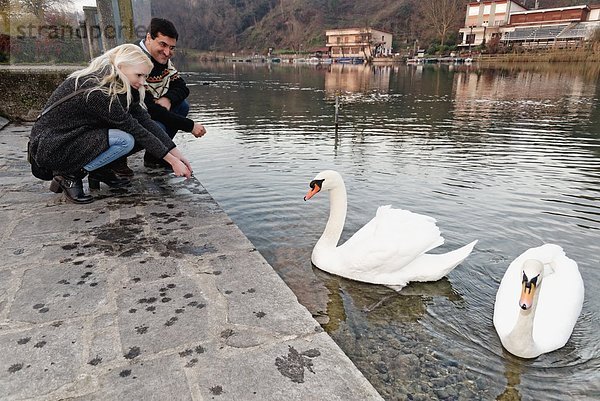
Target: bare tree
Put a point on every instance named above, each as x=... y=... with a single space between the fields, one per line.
x=39 y=7
x=442 y=16
x=4 y=12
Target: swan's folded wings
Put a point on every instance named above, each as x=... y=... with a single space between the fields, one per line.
x=392 y=239
x=559 y=304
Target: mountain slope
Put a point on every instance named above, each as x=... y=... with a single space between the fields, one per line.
x=231 y=25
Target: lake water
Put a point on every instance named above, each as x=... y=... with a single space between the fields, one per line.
x=509 y=156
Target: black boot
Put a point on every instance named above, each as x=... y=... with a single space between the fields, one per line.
x=106 y=175
x=120 y=167
x=72 y=186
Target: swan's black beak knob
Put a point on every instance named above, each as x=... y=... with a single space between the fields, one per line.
x=315 y=187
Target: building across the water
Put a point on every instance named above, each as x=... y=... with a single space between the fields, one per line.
x=510 y=22
x=358 y=43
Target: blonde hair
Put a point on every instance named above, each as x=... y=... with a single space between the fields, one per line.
x=103 y=71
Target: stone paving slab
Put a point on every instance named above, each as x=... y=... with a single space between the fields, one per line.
x=148 y=293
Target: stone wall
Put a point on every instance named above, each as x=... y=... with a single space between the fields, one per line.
x=25 y=92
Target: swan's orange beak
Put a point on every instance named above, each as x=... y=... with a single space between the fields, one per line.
x=527 y=293
x=314 y=189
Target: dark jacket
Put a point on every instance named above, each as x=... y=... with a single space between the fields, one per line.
x=76 y=132
x=166 y=76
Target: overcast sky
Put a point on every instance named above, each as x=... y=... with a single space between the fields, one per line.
x=78 y=4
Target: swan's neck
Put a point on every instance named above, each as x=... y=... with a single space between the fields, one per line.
x=337 y=217
x=521 y=336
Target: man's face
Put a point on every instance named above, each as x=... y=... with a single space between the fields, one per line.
x=161 y=48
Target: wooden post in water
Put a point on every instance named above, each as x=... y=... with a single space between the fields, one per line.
x=337 y=111
x=336 y=114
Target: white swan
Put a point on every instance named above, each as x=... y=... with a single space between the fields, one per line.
x=538 y=302
x=389 y=249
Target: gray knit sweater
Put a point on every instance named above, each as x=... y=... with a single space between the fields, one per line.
x=75 y=132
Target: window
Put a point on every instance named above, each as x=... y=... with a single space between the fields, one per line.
x=470 y=39
x=473 y=11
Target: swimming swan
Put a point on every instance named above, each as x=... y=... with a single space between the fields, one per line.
x=538 y=302
x=388 y=250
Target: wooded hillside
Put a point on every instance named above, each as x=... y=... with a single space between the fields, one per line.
x=256 y=25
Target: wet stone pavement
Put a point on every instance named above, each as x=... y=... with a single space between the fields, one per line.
x=148 y=293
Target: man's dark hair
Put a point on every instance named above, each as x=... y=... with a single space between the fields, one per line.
x=164 y=26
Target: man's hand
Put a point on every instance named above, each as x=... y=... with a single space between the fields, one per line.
x=164 y=102
x=198 y=130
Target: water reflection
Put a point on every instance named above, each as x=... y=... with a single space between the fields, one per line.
x=509 y=156
x=512 y=373
x=541 y=96
x=345 y=78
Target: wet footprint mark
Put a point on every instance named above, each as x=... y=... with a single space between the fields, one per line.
x=166 y=217
x=15 y=367
x=196 y=304
x=293 y=365
x=216 y=390
x=191 y=362
x=41 y=308
x=189 y=352
x=133 y=352
x=185 y=353
x=96 y=361
x=150 y=300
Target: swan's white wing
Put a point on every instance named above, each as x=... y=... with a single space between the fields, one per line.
x=506 y=307
x=430 y=267
x=391 y=240
x=559 y=303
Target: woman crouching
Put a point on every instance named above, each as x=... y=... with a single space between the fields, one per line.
x=100 y=124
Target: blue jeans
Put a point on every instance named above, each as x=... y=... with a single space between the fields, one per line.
x=181 y=109
x=120 y=143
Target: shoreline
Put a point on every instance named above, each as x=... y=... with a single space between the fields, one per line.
x=149 y=291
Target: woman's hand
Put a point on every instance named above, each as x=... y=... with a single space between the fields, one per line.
x=180 y=169
x=181 y=165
